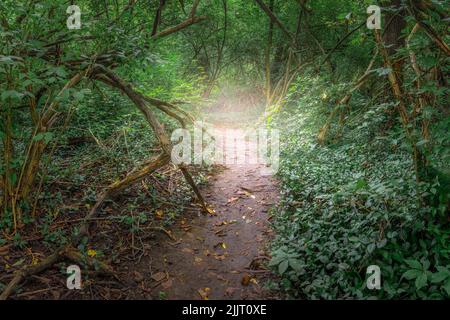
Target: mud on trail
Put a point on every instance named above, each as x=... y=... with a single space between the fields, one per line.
x=219 y=256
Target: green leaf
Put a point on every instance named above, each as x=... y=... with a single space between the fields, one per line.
x=438 y=277
x=43 y=136
x=421 y=143
x=79 y=95
x=283 y=266
x=411 y=274
x=11 y=94
x=442 y=274
x=296 y=265
x=446 y=287
x=414 y=264
x=421 y=281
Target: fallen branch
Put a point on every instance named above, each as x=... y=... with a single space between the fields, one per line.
x=134 y=176
x=67 y=252
x=23 y=273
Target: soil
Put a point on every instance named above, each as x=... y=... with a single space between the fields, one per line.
x=222 y=255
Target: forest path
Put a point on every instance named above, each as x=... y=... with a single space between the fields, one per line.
x=219 y=256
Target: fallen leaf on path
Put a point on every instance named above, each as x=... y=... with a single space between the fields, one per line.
x=229 y=291
x=247 y=189
x=221 y=278
x=245 y=280
x=233 y=199
x=167 y=284
x=190 y=235
x=188 y=250
x=159 y=276
x=138 y=276
x=220 y=232
x=219 y=257
x=198 y=259
x=224 y=223
x=159 y=214
x=221 y=244
x=204 y=293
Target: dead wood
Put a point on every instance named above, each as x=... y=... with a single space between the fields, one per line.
x=346 y=99
x=132 y=177
x=25 y=272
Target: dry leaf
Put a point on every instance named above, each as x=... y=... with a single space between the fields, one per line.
x=159 y=276
x=159 y=214
x=187 y=250
x=4 y=250
x=221 y=278
x=204 y=293
x=245 y=280
x=233 y=199
x=167 y=284
x=219 y=257
x=138 y=276
x=221 y=244
x=229 y=291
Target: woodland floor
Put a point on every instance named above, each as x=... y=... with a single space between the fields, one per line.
x=217 y=256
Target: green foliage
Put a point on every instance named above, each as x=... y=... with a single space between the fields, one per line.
x=352 y=204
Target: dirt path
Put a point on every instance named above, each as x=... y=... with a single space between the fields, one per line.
x=219 y=256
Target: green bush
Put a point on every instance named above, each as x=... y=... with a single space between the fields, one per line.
x=355 y=203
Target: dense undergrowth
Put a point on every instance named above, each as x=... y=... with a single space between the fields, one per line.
x=373 y=189
x=100 y=139
x=355 y=202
